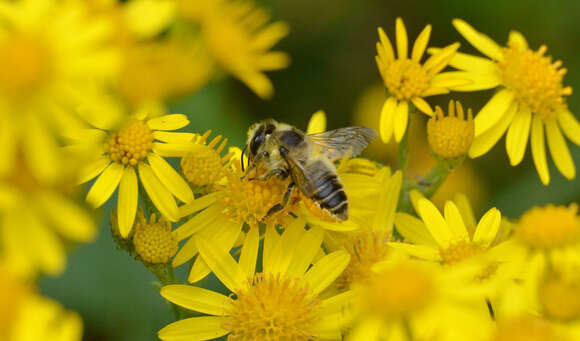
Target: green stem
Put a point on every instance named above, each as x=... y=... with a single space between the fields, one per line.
x=408 y=330
x=435 y=178
x=164 y=273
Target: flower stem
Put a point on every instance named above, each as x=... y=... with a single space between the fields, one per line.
x=164 y=273
x=438 y=174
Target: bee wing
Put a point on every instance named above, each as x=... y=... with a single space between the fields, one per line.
x=338 y=143
x=301 y=178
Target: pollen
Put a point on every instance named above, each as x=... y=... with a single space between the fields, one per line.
x=205 y=165
x=130 y=144
x=273 y=308
x=400 y=291
x=560 y=299
x=459 y=251
x=405 y=79
x=249 y=200
x=535 y=80
x=549 y=227
x=526 y=328
x=26 y=66
x=153 y=240
x=12 y=293
x=366 y=248
x=450 y=136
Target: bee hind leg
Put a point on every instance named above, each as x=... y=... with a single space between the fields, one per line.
x=278 y=207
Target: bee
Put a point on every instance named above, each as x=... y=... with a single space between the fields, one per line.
x=286 y=151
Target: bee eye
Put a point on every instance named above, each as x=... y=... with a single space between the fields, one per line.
x=255 y=144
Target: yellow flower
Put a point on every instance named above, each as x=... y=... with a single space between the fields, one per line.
x=25 y=315
x=450 y=137
x=54 y=60
x=407 y=80
x=282 y=302
x=526 y=327
x=153 y=240
x=530 y=102
x=238 y=38
x=457 y=237
x=140 y=145
x=413 y=300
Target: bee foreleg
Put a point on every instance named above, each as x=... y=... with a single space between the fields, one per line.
x=285 y=200
x=281 y=173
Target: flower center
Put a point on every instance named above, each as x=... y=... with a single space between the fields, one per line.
x=560 y=299
x=12 y=293
x=406 y=79
x=535 y=80
x=400 y=291
x=458 y=251
x=549 y=226
x=204 y=165
x=524 y=329
x=451 y=136
x=366 y=248
x=130 y=144
x=154 y=241
x=26 y=66
x=272 y=308
x=250 y=200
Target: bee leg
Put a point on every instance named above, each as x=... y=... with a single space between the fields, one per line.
x=285 y=199
x=281 y=173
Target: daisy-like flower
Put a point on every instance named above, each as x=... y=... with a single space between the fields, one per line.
x=409 y=81
x=238 y=37
x=281 y=303
x=530 y=103
x=414 y=300
x=551 y=230
x=457 y=237
x=55 y=59
x=140 y=146
x=25 y=315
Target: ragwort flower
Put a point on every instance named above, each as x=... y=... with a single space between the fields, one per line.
x=409 y=81
x=530 y=103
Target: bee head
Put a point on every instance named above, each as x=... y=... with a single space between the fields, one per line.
x=257 y=135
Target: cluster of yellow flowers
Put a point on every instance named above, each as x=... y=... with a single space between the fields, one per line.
x=88 y=81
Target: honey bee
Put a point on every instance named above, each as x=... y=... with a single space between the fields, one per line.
x=286 y=151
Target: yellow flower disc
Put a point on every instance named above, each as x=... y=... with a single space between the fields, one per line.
x=535 y=80
x=560 y=300
x=458 y=251
x=204 y=167
x=26 y=65
x=273 y=308
x=400 y=291
x=154 y=241
x=131 y=143
x=524 y=329
x=451 y=136
x=406 y=79
x=549 y=226
x=366 y=248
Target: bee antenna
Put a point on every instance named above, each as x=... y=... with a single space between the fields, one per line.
x=243 y=152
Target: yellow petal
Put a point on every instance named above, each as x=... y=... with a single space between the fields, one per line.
x=329 y=327
x=402 y=41
x=401 y=120
x=93 y=169
x=493 y=111
x=387 y=47
x=105 y=185
x=517 y=39
x=170 y=178
x=466 y=81
x=484 y=142
x=186 y=252
x=258 y=83
x=249 y=254
x=415 y=196
x=465 y=209
x=271 y=238
x=43 y=244
x=270 y=35
x=127 y=201
x=194 y=328
x=422 y=105
x=420 y=251
x=168 y=122
x=387 y=119
x=539 y=149
x=146 y=18
x=173 y=137
x=158 y=194
x=559 y=150
x=368 y=329
x=480 y=41
x=41 y=151
x=438 y=61
x=517 y=136
x=569 y=126
x=171 y=149
x=387 y=203
x=8 y=143
x=197 y=299
x=70 y=219
x=487 y=228
x=338 y=303
x=199 y=221
x=273 y=61
x=326 y=270
x=317 y=123
x=222 y=264
x=475 y=64
x=421 y=44
x=310 y=246
x=413 y=229
x=200 y=203
x=284 y=251
x=434 y=222
x=454 y=221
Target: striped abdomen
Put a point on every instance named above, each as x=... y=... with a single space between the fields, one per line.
x=329 y=192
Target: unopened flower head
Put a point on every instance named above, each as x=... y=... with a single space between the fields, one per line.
x=530 y=104
x=153 y=239
x=407 y=80
x=450 y=136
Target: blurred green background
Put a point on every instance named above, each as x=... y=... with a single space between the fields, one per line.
x=332 y=45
